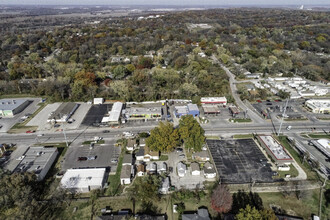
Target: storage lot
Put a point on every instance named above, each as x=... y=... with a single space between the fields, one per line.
x=104 y=152
x=7 y=123
x=239 y=161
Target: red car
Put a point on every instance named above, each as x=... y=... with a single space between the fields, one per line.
x=29 y=131
x=259 y=101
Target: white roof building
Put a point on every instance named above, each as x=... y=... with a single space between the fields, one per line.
x=182 y=169
x=83 y=180
x=318 y=106
x=214 y=100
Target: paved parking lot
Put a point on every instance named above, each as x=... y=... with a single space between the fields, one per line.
x=95 y=114
x=104 y=152
x=40 y=119
x=7 y=123
x=239 y=161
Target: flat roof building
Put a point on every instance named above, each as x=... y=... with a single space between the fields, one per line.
x=10 y=107
x=63 y=112
x=114 y=114
x=83 y=180
x=37 y=160
x=140 y=113
x=211 y=109
x=319 y=106
x=323 y=145
x=214 y=100
x=274 y=149
x=190 y=109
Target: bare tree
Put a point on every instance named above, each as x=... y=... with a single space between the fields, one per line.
x=221 y=199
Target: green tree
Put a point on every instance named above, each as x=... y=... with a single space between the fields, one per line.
x=191 y=133
x=119 y=72
x=248 y=214
x=163 y=138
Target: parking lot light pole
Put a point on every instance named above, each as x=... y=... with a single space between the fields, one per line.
x=286 y=105
x=63 y=128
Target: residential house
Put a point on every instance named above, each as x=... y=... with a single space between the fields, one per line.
x=141 y=169
x=126 y=174
x=151 y=168
x=195 y=170
x=202 y=156
x=165 y=186
x=150 y=155
x=142 y=142
x=140 y=154
x=202 y=214
x=209 y=171
x=182 y=169
x=161 y=167
x=127 y=160
x=131 y=145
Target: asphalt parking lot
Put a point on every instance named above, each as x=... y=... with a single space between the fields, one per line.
x=9 y=122
x=239 y=161
x=95 y=114
x=40 y=119
x=104 y=154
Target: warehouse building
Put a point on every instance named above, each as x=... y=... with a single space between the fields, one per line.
x=37 y=160
x=190 y=109
x=214 y=100
x=274 y=149
x=323 y=145
x=83 y=180
x=319 y=106
x=140 y=113
x=10 y=107
x=63 y=112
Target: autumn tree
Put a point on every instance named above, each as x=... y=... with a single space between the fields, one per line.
x=144 y=62
x=221 y=199
x=191 y=133
x=251 y=213
x=163 y=138
x=241 y=199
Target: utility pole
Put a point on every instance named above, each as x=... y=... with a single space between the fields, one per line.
x=63 y=128
x=286 y=105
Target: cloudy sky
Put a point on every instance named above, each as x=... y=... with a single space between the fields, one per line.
x=166 y=2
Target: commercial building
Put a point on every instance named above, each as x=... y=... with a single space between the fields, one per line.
x=319 y=105
x=274 y=149
x=10 y=107
x=234 y=110
x=214 y=100
x=63 y=112
x=83 y=180
x=211 y=109
x=323 y=145
x=37 y=160
x=190 y=109
x=140 y=113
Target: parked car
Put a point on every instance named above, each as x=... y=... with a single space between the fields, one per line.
x=30 y=131
x=56 y=125
x=91 y=157
x=114 y=161
x=82 y=158
x=106 y=131
x=179 y=150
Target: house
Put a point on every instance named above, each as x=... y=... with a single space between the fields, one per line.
x=126 y=174
x=150 y=155
x=151 y=168
x=201 y=156
x=165 y=186
x=131 y=145
x=142 y=142
x=127 y=160
x=209 y=171
x=195 y=170
x=141 y=169
x=182 y=169
x=202 y=214
x=140 y=154
x=161 y=167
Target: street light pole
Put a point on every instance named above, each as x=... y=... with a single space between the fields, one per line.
x=63 y=128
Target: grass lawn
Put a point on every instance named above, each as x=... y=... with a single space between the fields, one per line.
x=115 y=188
x=240 y=120
x=243 y=136
x=322 y=135
x=295 y=119
x=311 y=175
x=89 y=142
x=304 y=207
x=212 y=137
x=163 y=157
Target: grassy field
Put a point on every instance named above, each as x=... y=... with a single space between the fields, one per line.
x=212 y=137
x=311 y=174
x=115 y=188
x=163 y=157
x=240 y=120
x=293 y=172
x=322 y=135
x=243 y=136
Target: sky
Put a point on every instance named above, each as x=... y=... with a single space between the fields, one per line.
x=166 y=2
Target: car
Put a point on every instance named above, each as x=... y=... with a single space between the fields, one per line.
x=30 y=131
x=91 y=157
x=259 y=101
x=56 y=125
x=82 y=158
x=106 y=131
x=40 y=135
x=114 y=161
x=289 y=128
x=268 y=100
x=182 y=155
x=170 y=169
x=179 y=150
